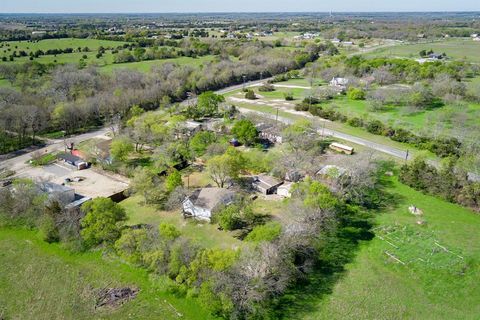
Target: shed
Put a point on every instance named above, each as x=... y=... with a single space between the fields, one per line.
x=285 y=189
x=266 y=184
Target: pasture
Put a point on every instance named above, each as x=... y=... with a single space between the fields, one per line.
x=45 y=281
x=434 y=276
x=456 y=49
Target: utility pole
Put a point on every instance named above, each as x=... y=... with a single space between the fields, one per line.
x=276 y=118
x=406 y=156
x=244 y=78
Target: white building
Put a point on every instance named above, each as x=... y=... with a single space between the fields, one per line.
x=285 y=189
x=203 y=203
x=339 y=82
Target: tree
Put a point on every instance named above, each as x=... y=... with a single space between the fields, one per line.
x=142 y=183
x=120 y=148
x=173 y=180
x=226 y=167
x=207 y=104
x=169 y=231
x=200 y=141
x=103 y=221
x=229 y=218
x=245 y=131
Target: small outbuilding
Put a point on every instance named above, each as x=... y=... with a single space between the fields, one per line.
x=72 y=160
x=285 y=189
x=266 y=184
x=203 y=203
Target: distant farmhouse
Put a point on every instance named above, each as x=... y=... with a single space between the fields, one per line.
x=203 y=203
x=338 y=82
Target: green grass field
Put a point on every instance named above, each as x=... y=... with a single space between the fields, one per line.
x=456 y=49
x=43 y=281
x=444 y=119
x=106 y=62
x=146 y=66
x=442 y=286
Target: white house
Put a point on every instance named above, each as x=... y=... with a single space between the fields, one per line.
x=285 y=189
x=339 y=82
x=203 y=203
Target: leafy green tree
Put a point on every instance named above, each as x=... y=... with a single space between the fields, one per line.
x=142 y=183
x=207 y=104
x=173 y=180
x=129 y=245
x=245 y=131
x=200 y=141
x=103 y=221
x=229 y=218
x=226 y=167
x=120 y=148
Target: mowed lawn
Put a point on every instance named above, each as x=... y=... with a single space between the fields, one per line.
x=456 y=49
x=442 y=286
x=43 y=281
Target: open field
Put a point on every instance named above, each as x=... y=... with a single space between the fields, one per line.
x=456 y=49
x=44 y=281
x=432 y=284
x=444 y=120
x=145 y=66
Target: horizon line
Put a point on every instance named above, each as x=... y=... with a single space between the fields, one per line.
x=226 y=12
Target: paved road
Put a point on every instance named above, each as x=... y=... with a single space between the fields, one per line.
x=19 y=163
x=402 y=154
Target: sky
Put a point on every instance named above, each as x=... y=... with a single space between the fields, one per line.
x=157 y=6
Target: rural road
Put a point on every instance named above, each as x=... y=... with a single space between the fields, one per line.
x=402 y=154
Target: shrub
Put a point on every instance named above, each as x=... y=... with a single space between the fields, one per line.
x=355 y=122
x=250 y=94
x=267 y=87
x=267 y=232
x=288 y=96
x=375 y=127
x=356 y=94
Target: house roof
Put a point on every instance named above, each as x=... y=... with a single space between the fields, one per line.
x=286 y=186
x=209 y=198
x=267 y=181
x=332 y=170
x=51 y=187
x=69 y=157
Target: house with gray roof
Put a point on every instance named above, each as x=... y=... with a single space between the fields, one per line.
x=204 y=202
